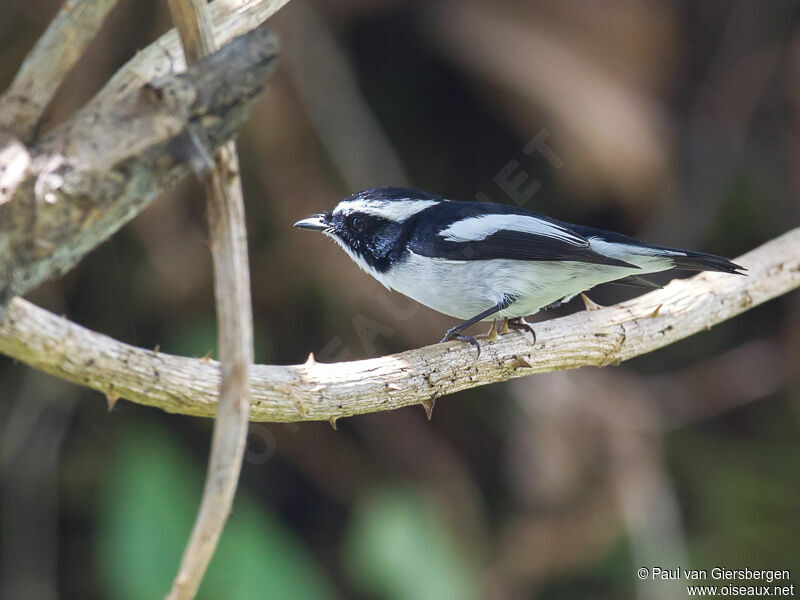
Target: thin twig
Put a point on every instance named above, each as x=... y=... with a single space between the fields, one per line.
x=228 y=241
x=41 y=74
x=165 y=56
x=79 y=185
x=316 y=391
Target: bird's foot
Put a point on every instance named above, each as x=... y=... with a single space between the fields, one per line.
x=491 y=335
x=519 y=323
x=453 y=334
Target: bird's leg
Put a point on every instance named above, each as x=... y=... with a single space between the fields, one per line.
x=520 y=323
x=454 y=333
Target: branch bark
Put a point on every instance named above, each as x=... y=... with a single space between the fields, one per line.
x=316 y=391
x=63 y=196
x=75 y=188
x=165 y=56
x=53 y=56
x=228 y=241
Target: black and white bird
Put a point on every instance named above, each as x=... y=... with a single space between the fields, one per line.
x=478 y=261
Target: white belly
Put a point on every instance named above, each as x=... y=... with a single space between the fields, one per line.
x=463 y=289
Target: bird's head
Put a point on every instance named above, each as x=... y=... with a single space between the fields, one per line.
x=369 y=225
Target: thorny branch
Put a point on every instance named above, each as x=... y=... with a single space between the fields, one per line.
x=317 y=391
x=63 y=194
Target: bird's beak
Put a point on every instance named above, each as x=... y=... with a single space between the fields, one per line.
x=315 y=222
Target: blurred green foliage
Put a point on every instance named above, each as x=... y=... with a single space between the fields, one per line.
x=152 y=493
x=397 y=545
x=398 y=548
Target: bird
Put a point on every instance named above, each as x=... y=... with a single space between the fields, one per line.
x=479 y=261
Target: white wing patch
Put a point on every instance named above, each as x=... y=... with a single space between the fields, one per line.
x=393 y=210
x=474 y=229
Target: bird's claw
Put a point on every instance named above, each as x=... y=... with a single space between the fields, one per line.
x=454 y=335
x=519 y=323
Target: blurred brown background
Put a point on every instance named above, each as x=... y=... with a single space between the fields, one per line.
x=675 y=121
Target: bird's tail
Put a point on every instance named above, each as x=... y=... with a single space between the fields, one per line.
x=651 y=258
x=700 y=261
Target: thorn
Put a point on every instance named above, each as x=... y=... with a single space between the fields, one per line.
x=157 y=349
x=655 y=312
x=523 y=362
x=111 y=399
x=492 y=335
x=428 y=406
x=310 y=361
x=590 y=304
x=505 y=330
x=207 y=357
x=332 y=421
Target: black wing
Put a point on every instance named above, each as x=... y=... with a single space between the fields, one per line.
x=441 y=233
x=688 y=260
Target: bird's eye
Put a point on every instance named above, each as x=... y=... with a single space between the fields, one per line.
x=358 y=224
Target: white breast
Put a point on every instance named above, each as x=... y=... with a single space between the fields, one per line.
x=462 y=289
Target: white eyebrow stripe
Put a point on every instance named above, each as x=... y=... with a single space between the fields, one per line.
x=393 y=210
x=474 y=229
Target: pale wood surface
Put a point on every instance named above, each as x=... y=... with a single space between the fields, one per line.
x=23 y=104
x=70 y=191
x=228 y=243
x=316 y=391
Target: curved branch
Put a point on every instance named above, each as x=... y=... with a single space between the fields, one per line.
x=316 y=391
